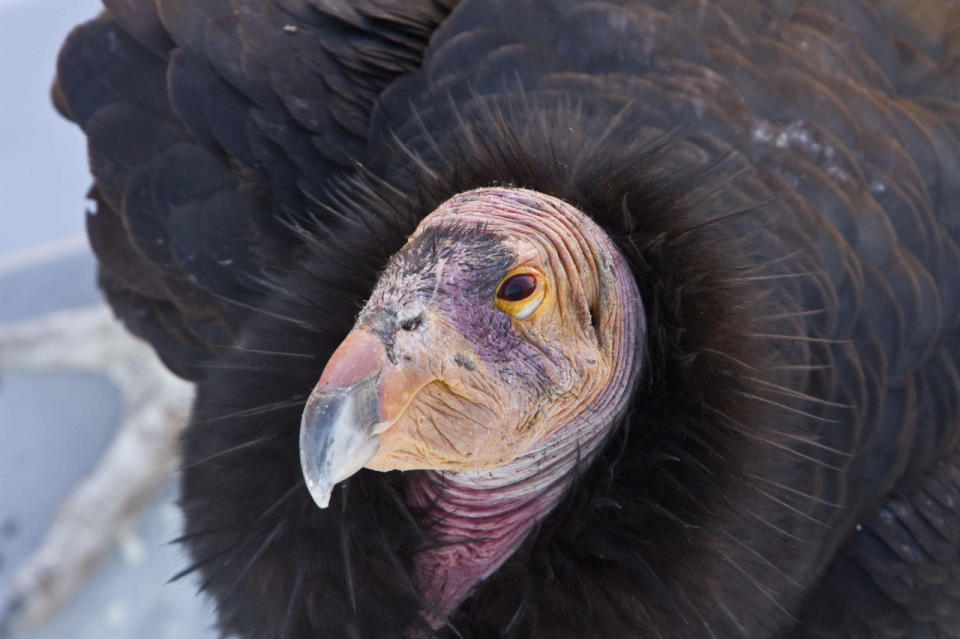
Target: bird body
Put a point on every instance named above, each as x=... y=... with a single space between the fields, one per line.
x=747 y=373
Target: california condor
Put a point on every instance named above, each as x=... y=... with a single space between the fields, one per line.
x=543 y=318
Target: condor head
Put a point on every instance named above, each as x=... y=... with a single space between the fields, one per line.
x=501 y=340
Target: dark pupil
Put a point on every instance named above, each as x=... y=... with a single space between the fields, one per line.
x=517 y=288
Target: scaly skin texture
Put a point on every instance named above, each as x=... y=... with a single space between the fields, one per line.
x=503 y=409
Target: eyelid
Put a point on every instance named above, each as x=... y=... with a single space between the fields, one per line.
x=522 y=309
x=531 y=304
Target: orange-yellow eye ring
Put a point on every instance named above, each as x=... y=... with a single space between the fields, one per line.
x=520 y=293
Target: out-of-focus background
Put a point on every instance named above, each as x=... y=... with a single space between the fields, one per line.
x=55 y=425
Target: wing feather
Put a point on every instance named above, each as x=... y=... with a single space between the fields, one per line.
x=213 y=127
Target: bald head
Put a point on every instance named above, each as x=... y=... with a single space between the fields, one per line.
x=507 y=318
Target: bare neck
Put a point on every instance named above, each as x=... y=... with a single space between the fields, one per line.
x=477 y=519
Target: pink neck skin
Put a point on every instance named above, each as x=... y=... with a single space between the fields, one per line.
x=480 y=518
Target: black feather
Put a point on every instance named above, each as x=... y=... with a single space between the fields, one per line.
x=783 y=179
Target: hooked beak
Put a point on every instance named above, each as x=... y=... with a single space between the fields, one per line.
x=338 y=431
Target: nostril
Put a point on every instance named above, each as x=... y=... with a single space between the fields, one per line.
x=412 y=324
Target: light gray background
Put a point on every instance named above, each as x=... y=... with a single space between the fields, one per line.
x=54 y=426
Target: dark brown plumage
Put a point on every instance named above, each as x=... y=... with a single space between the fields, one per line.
x=783 y=179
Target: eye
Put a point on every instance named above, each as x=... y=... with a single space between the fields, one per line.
x=517 y=287
x=520 y=294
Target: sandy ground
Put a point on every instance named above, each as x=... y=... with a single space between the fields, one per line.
x=54 y=426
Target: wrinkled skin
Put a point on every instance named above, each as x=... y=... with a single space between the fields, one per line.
x=469 y=381
x=497 y=383
x=503 y=396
